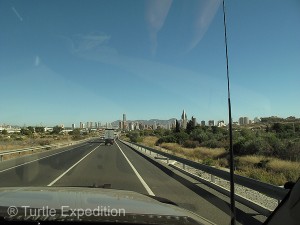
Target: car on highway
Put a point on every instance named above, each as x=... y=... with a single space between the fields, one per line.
x=150 y=112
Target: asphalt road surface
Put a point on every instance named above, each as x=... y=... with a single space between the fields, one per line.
x=93 y=163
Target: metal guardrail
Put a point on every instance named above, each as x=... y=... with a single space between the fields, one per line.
x=8 y=152
x=265 y=188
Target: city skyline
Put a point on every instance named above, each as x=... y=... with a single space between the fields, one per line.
x=96 y=124
x=91 y=65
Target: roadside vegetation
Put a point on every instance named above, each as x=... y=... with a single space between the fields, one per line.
x=36 y=136
x=268 y=151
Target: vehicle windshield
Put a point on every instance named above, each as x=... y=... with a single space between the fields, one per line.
x=133 y=96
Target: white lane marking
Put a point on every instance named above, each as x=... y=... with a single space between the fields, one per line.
x=22 y=164
x=150 y=192
x=64 y=173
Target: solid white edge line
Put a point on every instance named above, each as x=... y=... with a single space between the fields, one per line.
x=64 y=173
x=22 y=164
x=150 y=192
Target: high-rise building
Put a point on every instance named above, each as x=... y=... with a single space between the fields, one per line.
x=87 y=124
x=141 y=126
x=73 y=126
x=121 y=125
x=241 y=120
x=81 y=125
x=131 y=126
x=124 y=117
x=211 y=123
x=169 y=126
x=194 y=121
x=154 y=126
x=203 y=123
x=221 y=123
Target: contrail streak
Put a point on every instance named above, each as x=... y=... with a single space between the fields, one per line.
x=17 y=14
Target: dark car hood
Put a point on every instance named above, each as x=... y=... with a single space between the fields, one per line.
x=134 y=204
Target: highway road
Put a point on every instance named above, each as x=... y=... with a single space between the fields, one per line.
x=118 y=165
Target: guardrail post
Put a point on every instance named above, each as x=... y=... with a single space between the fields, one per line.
x=167 y=160
x=183 y=166
x=1 y=158
x=212 y=178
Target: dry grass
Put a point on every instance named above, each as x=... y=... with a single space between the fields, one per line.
x=266 y=169
x=279 y=165
x=249 y=160
x=11 y=147
x=264 y=176
x=10 y=144
x=272 y=170
x=150 y=141
x=197 y=154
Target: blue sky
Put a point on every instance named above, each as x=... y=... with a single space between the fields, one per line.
x=71 y=61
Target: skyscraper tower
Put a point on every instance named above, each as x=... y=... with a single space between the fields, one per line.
x=124 y=124
x=183 y=120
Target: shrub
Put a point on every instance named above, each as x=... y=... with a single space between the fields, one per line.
x=181 y=137
x=77 y=137
x=44 y=142
x=166 y=139
x=190 y=144
x=212 y=143
x=208 y=162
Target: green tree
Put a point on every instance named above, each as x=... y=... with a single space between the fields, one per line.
x=190 y=126
x=181 y=137
x=199 y=135
x=177 y=127
x=76 y=132
x=57 y=130
x=159 y=132
x=278 y=127
x=31 y=129
x=5 y=132
x=40 y=129
x=25 y=131
x=134 y=136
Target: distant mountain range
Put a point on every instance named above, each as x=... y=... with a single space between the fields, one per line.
x=147 y=122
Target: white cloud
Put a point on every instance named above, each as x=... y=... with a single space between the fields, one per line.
x=89 y=42
x=206 y=12
x=156 y=15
